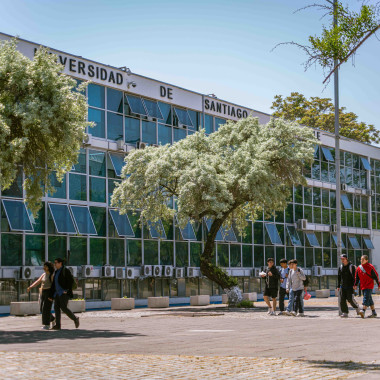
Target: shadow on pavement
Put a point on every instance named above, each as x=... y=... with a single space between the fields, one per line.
x=15 y=337
x=347 y=366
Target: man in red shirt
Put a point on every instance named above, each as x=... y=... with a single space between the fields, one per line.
x=366 y=274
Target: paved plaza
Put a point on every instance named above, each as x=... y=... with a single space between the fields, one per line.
x=194 y=343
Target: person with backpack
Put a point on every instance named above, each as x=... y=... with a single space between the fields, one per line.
x=366 y=274
x=272 y=276
x=296 y=278
x=61 y=291
x=346 y=281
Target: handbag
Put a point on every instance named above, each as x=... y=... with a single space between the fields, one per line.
x=307 y=296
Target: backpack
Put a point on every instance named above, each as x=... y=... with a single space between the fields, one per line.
x=74 y=284
x=307 y=281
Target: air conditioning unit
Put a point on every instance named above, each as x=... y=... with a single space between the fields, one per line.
x=141 y=145
x=87 y=139
x=317 y=271
x=302 y=224
x=87 y=271
x=146 y=270
x=132 y=273
x=179 y=272
x=27 y=273
x=120 y=145
x=193 y=272
x=333 y=228
x=168 y=271
x=157 y=270
x=180 y=125
x=256 y=272
x=120 y=273
x=130 y=148
x=108 y=271
x=73 y=270
x=344 y=187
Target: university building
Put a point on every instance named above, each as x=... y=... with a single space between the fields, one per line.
x=111 y=255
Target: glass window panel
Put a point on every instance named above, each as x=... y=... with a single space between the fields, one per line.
x=11 y=250
x=219 y=122
x=209 y=124
x=181 y=254
x=293 y=234
x=166 y=111
x=164 y=134
x=187 y=232
x=354 y=242
x=97 y=163
x=114 y=126
x=116 y=252
x=38 y=222
x=148 y=130
x=99 y=216
x=80 y=167
x=335 y=238
x=313 y=241
x=235 y=255
x=223 y=260
x=229 y=235
x=122 y=224
x=60 y=187
x=183 y=116
x=365 y=163
x=195 y=118
x=134 y=256
x=132 y=130
x=83 y=220
x=273 y=233
x=62 y=219
x=258 y=256
x=150 y=252
x=195 y=254
x=136 y=105
x=34 y=250
x=247 y=256
x=96 y=96
x=111 y=187
x=219 y=236
x=156 y=229
x=117 y=163
x=153 y=109
x=78 y=251
x=15 y=190
x=368 y=243
x=98 y=252
x=114 y=100
x=166 y=253
x=98 y=118
x=346 y=202
x=327 y=154
x=57 y=247
x=97 y=189
x=178 y=134
x=17 y=215
x=77 y=187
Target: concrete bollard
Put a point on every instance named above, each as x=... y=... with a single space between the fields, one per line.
x=322 y=293
x=158 y=302
x=122 y=303
x=77 y=306
x=25 y=308
x=250 y=296
x=202 y=300
x=224 y=298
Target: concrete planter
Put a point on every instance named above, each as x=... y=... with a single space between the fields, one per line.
x=158 y=302
x=199 y=300
x=250 y=296
x=122 y=303
x=77 y=306
x=322 y=293
x=224 y=298
x=25 y=308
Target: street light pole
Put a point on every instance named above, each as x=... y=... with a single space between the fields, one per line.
x=337 y=145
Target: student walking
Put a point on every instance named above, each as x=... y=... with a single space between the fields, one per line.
x=61 y=291
x=346 y=281
x=295 y=281
x=45 y=280
x=283 y=280
x=271 y=276
x=366 y=274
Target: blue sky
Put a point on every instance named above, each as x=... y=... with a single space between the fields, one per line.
x=209 y=46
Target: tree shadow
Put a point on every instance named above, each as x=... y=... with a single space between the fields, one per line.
x=16 y=337
x=347 y=365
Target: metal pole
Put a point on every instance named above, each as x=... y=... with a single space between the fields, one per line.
x=337 y=145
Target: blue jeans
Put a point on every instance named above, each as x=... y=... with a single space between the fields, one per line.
x=367 y=297
x=289 y=308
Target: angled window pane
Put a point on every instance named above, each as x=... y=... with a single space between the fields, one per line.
x=366 y=164
x=122 y=224
x=83 y=220
x=114 y=100
x=354 y=242
x=327 y=154
x=335 y=238
x=156 y=230
x=229 y=235
x=273 y=233
x=368 y=243
x=187 y=232
x=153 y=109
x=219 y=236
x=117 y=163
x=294 y=238
x=17 y=215
x=346 y=202
x=136 y=105
x=313 y=241
x=62 y=219
x=183 y=116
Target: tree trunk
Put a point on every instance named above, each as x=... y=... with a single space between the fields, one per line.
x=214 y=273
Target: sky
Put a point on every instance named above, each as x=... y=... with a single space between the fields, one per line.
x=208 y=46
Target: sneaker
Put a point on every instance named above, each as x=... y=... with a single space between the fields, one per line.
x=357 y=311
x=45 y=327
x=293 y=313
x=76 y=323
x=300 y=315
x=361 y=313
x=56 y=328
x=287 y=313
x=281 y=313
x=373 y=315
x=272 y=313
x=269 y=311
x=344 y=315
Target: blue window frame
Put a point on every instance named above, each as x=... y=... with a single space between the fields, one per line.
x=183 y=116
x=368 y=243
x=327 y=153
x=273 y=233
x=153 y=109
x=219 y=236
x=294 y=237
x=335 y=238
x=122 y=223
x=156 y=229
x=365 y=163
x=346 y=202
x=136 y=105
x=117 y=163
x=229 y=234
x=313 y=241
x=62 y=218
x=187 y=232
x=354 y=242
x=17 y=215
x=83 y=220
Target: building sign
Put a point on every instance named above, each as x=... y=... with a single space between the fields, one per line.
x=225 y=109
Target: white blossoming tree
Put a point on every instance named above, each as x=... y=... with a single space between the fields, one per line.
x=42 y=120
x=228 y=177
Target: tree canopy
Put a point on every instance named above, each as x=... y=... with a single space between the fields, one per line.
x=42 y=120
x=319 y=113
x=229 y=176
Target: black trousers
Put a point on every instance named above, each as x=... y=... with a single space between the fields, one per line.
x=60 y=303
x=45 y=307
x=297 y=304
x=282 y=298
x=347 y=295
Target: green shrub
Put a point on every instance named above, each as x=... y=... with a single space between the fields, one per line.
x=244 y=304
